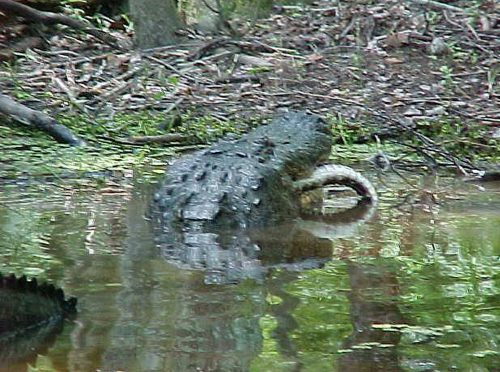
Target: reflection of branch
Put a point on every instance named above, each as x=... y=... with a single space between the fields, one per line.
x=373 y=299
x=282 y=312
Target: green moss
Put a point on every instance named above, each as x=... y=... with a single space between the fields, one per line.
x=469 y=140
x=463 y=139
x=28 y=152
x=347 y=131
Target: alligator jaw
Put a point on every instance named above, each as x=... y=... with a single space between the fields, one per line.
x=331 y=174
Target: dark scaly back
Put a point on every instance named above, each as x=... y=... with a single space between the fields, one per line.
x=245 y=182
x=26 y=304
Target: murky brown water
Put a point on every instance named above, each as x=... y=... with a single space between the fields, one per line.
x=413 y=289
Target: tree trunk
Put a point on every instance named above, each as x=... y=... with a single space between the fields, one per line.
x=155 y=22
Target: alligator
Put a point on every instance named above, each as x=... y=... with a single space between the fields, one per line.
x=214 y=204
x=31 y=316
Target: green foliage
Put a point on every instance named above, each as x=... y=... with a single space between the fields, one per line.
x=447 y=78
x=469 y=140
x=463 y=139
x=259 y=70
x=18 y=91
x=73 y=11
x=32 y=153
x=347 y=131
x=208 y=128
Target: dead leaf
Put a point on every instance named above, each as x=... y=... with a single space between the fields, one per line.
x=253 y=61
x=412 y=111
x=438 y=47
x=393 y=60
x=315 y=57
x=396 y=40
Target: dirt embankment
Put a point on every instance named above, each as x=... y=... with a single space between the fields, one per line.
x=383 y=67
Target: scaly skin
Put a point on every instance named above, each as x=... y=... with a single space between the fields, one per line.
x=211 y=201
x=31 y=315
x=25 y=304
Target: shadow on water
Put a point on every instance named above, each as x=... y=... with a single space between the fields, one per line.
x=404 y=291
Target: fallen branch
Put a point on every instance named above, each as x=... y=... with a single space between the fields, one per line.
x=27 y=12
x=487 y=175
x=438 y=5
x=249 y=46
x=39 y=120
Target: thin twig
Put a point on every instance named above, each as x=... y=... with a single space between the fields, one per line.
x=438 y=5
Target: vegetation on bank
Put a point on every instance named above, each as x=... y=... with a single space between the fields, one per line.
x=34 y=154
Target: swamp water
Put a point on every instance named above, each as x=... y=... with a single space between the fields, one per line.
x=412 y=289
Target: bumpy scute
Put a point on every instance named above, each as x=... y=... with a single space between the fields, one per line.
x=26 y=304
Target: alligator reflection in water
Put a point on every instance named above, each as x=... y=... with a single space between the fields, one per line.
x=213 y=203
x=139 y=312
x=165 y=319
x=189 y=326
